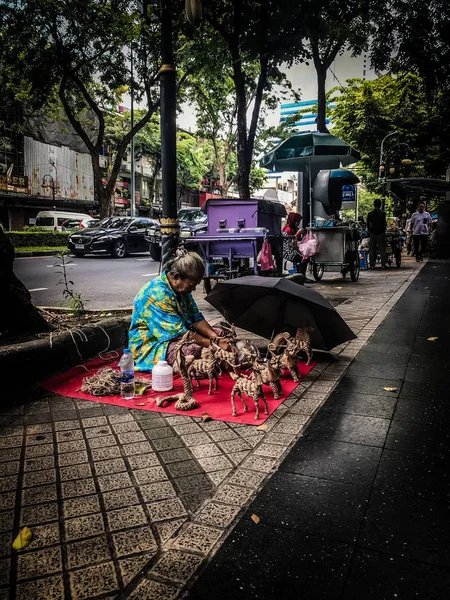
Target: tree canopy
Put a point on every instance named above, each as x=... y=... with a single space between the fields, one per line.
x=367 y=111
x=251 y=40
x=84 y=48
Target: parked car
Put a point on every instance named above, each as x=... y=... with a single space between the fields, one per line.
x=79 y=223
x=192 y=221
x=53 y=219
x=118 y=236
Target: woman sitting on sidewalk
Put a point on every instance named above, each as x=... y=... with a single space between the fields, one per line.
x=164 y=310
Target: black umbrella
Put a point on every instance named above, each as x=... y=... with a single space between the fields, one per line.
x=269 y=305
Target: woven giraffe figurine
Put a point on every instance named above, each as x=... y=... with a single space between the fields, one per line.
x=303 y=340
x=206 y=367
x=271 y=372
x=186 y=400
x=251 y=388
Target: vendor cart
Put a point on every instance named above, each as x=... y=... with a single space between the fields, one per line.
x=236 y=232
x=337 y=251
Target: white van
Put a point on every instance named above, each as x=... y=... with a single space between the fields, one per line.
x=54 y=219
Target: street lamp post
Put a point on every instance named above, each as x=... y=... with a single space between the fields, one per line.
x=170 y=226
x=381 y=152
x=132 y=161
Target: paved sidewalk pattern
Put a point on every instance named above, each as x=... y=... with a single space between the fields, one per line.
x=126 y=503
x=359 y=507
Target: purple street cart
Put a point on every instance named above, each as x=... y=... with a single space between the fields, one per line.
x=236 y=231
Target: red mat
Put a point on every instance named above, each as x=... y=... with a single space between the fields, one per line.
x=218 y=405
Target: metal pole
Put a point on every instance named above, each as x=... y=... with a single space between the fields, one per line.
x=310 y=195
x=170 y=227
x=133 y=182
x=381 y=151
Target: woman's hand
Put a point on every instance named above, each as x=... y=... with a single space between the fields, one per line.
x=224 y=344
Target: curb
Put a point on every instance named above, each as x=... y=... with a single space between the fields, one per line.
x=31 y=362
x=90 y=311
x=36 y=253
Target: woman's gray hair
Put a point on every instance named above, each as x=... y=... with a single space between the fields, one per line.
x=188 y=265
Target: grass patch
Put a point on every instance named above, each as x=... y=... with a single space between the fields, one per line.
x=40 y=248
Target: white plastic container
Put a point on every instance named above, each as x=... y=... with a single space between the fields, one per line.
x=162 y=377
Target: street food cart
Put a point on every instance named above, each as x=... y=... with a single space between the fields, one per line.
x=236 y=232
x=337 y=251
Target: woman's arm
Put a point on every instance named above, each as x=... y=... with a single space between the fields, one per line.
x=204 y=332
x=204 y=328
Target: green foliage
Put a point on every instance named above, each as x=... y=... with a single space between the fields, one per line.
x=239 y=54
x=53 y=249
x=367 y=111
x=84 y=50
x=413 y=36
x=50 y=239
x=365 y=204
x=332 y=27
x=194 y=161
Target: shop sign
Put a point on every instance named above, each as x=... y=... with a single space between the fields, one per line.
x=14 y=183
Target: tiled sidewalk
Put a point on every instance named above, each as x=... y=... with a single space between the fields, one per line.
x=359 y=507
x=126 y=503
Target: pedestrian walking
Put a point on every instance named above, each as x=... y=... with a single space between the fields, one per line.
x=376 y=226
x=420 y=227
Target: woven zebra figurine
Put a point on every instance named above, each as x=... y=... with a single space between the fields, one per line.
x=206 y=367
x=186 y=400
x=303 y=340
x=251 y=388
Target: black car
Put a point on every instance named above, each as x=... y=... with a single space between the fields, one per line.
x=192 y=221
x=117 y=236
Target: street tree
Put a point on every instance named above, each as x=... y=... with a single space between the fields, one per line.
x=84 y=48
x=367 y=111
x=194 y=161
x=333 y=27
x=216 y=115
x=253 y=39
x=413 y=36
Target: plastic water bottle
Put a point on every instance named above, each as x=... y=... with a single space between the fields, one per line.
x=126 y=365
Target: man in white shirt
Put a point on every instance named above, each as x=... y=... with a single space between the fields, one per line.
x=420 y=226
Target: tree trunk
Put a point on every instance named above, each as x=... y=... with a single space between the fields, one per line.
x=222 y=181
x=152 y=182
x=321 y=101
x=101 y=193
x=17 y=312
x=243 y=170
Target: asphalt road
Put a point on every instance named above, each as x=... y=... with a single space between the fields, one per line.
x=103 y=282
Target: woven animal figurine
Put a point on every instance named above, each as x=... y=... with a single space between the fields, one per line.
x=289 y=356
x=271 y=372
x=280 y=340
x=226 y=358
x=303 y=340
x=251 y=388
x=205 y=368
x=247 y=354
x=186 y=400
